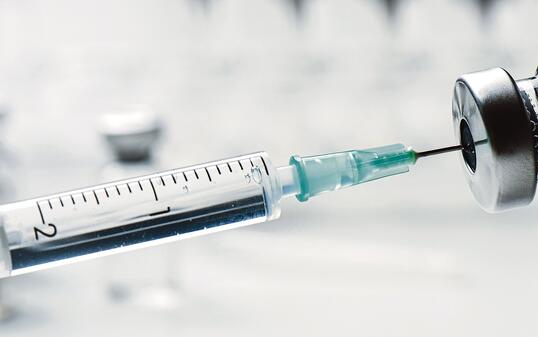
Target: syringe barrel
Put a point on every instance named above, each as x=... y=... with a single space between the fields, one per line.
x=133 y=213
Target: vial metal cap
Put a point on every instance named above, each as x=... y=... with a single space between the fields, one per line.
x=131 y=132
x=494 y=129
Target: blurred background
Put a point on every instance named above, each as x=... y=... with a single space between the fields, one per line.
x=411 y=255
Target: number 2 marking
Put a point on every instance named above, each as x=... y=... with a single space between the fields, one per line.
x=38 y=231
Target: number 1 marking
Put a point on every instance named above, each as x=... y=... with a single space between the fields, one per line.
x=40 y=213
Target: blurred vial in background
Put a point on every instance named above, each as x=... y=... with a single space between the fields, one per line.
x=7 y=159
x=298 y=8
x=391 y=8
x=485 y=7
x=148 y=277
x=7 y=309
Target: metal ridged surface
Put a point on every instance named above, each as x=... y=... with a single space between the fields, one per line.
x=528 y=95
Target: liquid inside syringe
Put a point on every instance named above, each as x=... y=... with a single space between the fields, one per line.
x=134 y=213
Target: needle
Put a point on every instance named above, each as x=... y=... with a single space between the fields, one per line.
x=438 y=151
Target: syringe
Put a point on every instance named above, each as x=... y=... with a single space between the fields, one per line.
x=95 y=221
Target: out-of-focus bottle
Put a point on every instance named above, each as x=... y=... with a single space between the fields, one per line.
x=148 y=277
x=7 y=309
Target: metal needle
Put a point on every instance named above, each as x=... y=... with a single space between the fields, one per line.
x=438 y=151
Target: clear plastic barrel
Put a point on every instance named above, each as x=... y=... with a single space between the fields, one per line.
x=133 y=213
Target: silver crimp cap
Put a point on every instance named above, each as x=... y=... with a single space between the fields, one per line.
x=491 y=123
